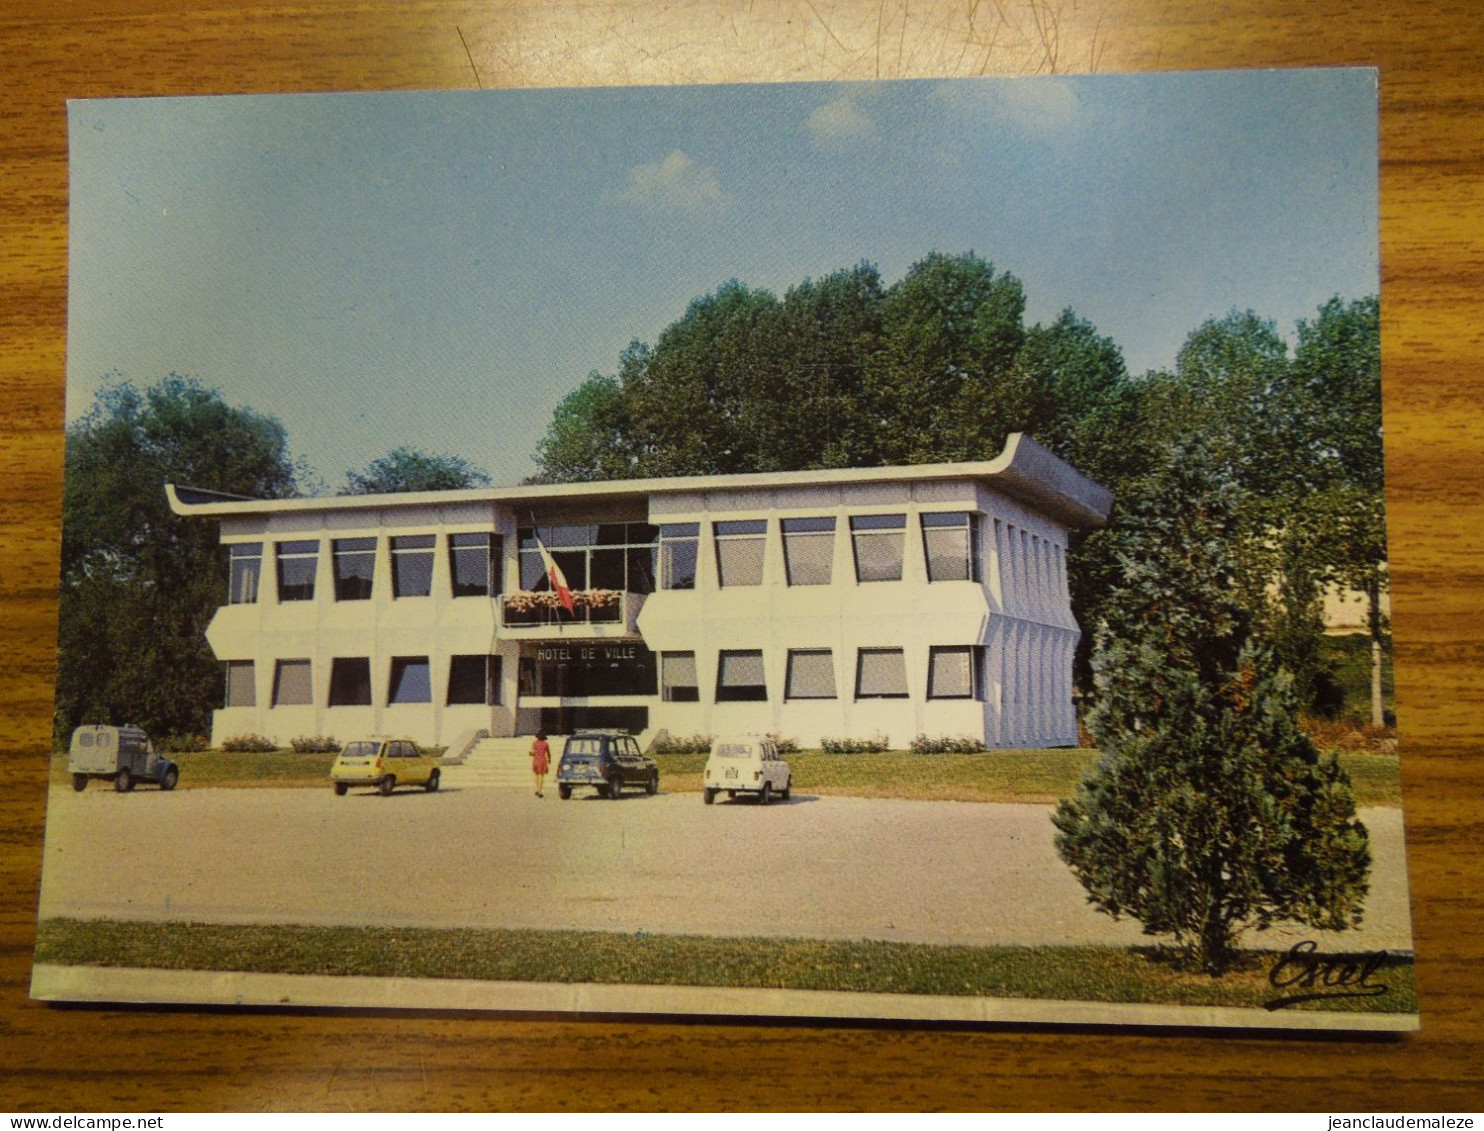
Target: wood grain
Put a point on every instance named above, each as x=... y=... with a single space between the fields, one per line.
x=1430 y=55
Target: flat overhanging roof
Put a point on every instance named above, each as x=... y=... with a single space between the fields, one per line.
x=1024 y=470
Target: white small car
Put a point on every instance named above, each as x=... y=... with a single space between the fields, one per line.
x=747 y=763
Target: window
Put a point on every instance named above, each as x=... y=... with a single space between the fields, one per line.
x=355 y=562
x=808 y=550
x=474 y=564
x=622 y=557
x=412 y=565
x=246 y=560
x=878 y=546
x=412 y=680
x=350 y=682
x=292 y=686
x=739 y=678
x=811 y=674
x=297 y=564
x=474 y=679
x=241 y=684
x=739 y=551
x=678 y=677
x=881 y=673
x=609 y=555
x=568 y=547
x=954 y=672
x=678 y=554
x=951 y=543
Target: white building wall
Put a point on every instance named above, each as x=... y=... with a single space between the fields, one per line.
x=1019 y=615
x=380 y=629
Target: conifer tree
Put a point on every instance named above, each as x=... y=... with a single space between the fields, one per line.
x=1209 y=812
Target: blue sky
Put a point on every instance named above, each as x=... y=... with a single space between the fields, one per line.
x=440 y=269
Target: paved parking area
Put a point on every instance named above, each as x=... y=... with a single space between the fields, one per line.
x=817 y=867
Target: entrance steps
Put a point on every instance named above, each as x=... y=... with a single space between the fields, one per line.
x=503 y=763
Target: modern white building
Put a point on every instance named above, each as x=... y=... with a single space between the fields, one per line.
x=858 y=602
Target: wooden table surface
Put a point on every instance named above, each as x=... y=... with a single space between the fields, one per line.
x=1431 y=56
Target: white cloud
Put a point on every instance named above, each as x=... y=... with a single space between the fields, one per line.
x=675 y=182
x=840 y=120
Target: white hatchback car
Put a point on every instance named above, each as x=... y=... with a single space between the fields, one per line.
x=747 y=763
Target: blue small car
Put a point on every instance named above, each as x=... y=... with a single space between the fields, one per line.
x=607 y=761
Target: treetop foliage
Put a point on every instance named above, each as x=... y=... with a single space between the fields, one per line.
x=407 y=469
x=844 y=371
x=140 y=584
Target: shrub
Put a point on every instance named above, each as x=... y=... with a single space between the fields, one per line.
x=1209 y=811
x=876 y=745
x=685 y=744
x=248 y=744
x=785 y=745
x=948 y=744
x=432 y=751
x=319 y=744
x=183 y=744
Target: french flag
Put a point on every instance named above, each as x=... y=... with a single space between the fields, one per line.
x=555 y=575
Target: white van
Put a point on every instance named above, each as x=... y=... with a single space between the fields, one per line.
x=747 y=763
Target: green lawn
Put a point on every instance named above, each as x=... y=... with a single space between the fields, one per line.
x=997 y=775
x=237 y=770
x=1035 y=776
x=1086 y=973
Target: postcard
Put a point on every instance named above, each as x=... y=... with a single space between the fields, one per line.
x=901 y=550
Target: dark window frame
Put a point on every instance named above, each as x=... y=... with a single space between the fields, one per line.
x=860 y=671
x=488 y=680
x=412 y=546
x=732 y=534
x=493 y=559
x=970 y=524
x=350 y=682
x=228 y=682
x=740 y=692
x=673 y=536
x=789 y=693
x=243 y=553
x=396 y=688
x=279 y=668
x=976 y=671
x=293 y=554
x=880 y=527
x=679 y=693
x=804 y=530
x=354 y=586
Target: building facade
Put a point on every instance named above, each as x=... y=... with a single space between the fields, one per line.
x=848 y=603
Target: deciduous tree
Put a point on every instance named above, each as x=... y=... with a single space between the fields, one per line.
x=408 y=469
x=139 y=584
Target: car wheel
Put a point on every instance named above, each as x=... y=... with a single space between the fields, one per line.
x=341 y=788
x=388 y=784
x=564 y=792
x=788 y=788
x=766 y=795
x=124 y=781
x=652 y=786
x=615 y=788
x=710 y=796
x=172 y=775
x=79 y=782
x=432 y=786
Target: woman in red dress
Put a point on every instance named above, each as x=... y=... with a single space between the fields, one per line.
x=540 y=760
